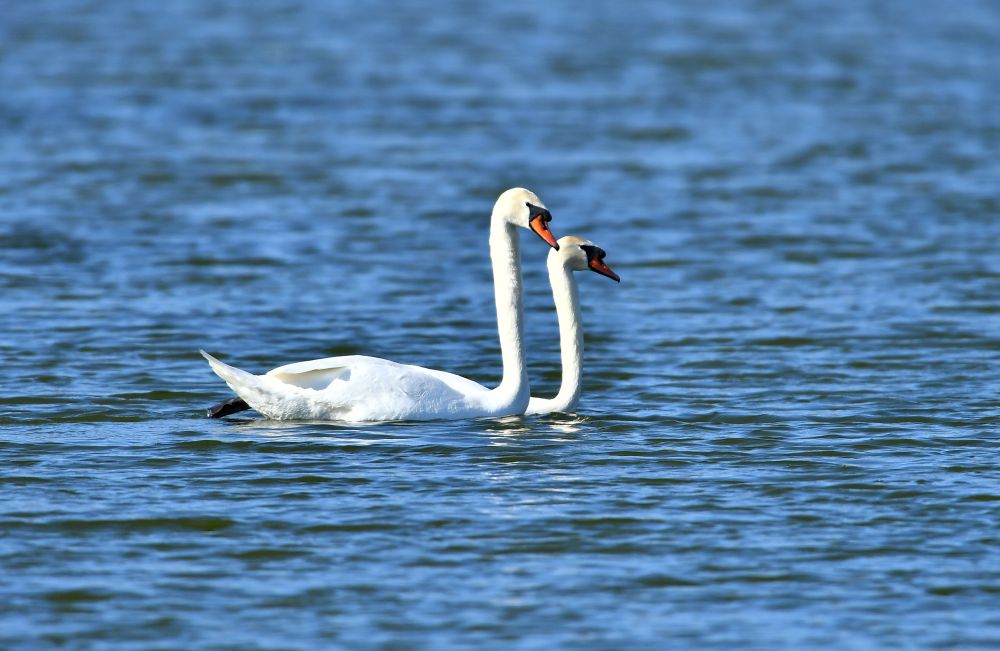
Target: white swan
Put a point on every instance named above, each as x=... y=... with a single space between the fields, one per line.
x=574 y=254
x=358 y=388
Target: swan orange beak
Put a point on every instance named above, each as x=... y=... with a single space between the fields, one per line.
x=540 y=226
x=603 y=269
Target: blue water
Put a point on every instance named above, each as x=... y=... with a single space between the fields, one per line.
x=787 y=438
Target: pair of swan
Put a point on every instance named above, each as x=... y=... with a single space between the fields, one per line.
x=358 y=388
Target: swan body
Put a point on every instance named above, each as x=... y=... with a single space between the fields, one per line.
x=358 y=388
x=574 y=254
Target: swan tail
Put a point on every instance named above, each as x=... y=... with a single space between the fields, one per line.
x=272 y=397
x=231 y=375
x=253 y=389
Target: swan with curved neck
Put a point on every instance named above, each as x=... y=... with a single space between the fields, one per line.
x=574 y=254
x=358 y=388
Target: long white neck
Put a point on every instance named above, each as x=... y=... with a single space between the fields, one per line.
x=570 y=342
x=511 y=397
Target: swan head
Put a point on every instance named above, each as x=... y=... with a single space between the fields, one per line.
x=577 y=254
x=523 y=208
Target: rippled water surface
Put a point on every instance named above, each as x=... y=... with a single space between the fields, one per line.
x=788 y=433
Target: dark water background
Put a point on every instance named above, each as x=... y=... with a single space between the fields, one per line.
x=788 y=432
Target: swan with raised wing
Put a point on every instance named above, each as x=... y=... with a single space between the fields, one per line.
x=357 y=388
x=572 y=254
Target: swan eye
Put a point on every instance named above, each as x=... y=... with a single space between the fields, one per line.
x=595 y=260
x=535 y=212
x=593 y=252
